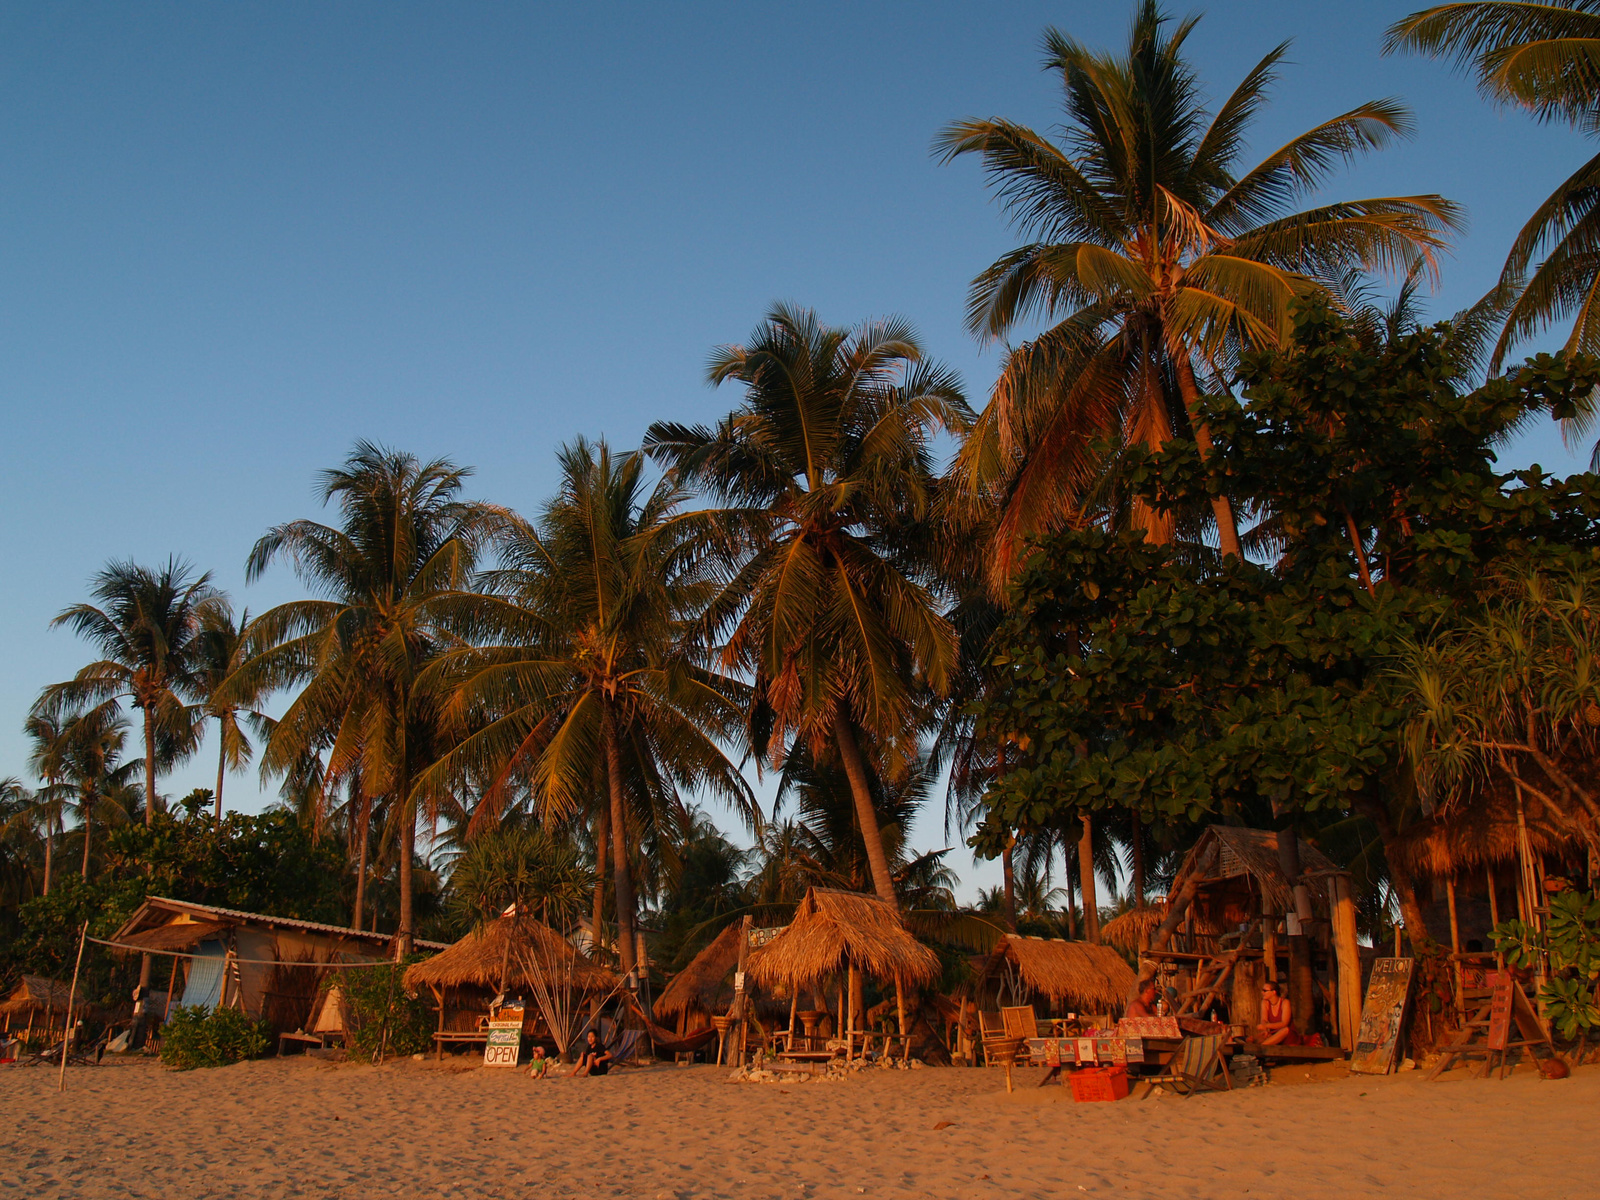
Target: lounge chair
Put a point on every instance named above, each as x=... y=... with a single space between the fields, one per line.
x=624 y=1047
x=1197 y=1065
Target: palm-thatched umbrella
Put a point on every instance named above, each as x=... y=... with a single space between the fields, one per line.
x=1077 y=974
x=836 y=933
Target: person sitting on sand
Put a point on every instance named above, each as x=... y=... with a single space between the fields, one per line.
x=595 y=1058
x=539 y=1067
x=1144 y=1004
x=1275 y=1027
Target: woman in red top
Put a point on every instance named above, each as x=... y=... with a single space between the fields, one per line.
x=1277 y=1015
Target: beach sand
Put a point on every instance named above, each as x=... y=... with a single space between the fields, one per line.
x=303 y=1128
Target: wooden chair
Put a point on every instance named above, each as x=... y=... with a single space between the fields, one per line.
x=1198 y=1066
x=1020 y=1022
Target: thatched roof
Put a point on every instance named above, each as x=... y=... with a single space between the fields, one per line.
x=1127 y=930
x=499 y=950
x=1230 y=852
x=703 y=985
x=1080 y=974
x=35 y=993
x=1484 y=833
x=832 y=930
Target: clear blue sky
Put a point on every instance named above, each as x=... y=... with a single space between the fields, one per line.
x=235 y=238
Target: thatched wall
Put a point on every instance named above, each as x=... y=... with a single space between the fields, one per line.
x=501 y=949
x=832 y=930
x=1077 y=974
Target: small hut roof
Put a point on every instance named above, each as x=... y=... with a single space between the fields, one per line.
x=1484 y=833
x=1228 y=852
x=1128 y=929
x=703 y=983
x=35 y=993
x=832 y=929
x=1078 y=973
x=181 y=935
x=499 y=950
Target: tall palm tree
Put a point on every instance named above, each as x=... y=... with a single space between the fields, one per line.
x=147 y=626
x=223 y=649
x=589 y=676
x=1544 y=58
x=1157 y=260
x=82 y=754
x=391 y=582
x=825 y=471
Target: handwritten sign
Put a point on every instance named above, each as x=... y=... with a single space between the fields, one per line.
x=1500 y=1010
x=504 y=1046
x=1383 y=1016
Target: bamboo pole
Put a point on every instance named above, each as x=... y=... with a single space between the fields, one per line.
x=72 y=995
x=850 y=1031
x=900 y=1011
x=172 y=986
x=1494 y=912
x=1455 y=944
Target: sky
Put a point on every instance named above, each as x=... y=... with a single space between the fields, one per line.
x=236 y=238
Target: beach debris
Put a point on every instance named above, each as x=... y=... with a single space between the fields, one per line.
x=943 y=1125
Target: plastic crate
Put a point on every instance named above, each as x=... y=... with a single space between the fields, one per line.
x=1100 y=1083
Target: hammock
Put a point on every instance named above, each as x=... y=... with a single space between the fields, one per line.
x=667 y=1042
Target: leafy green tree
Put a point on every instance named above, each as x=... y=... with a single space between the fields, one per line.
x=1159 y=258
x=518 y=864
x=587 y=674
x=391 y=583
x=147 y=627
x=824 y=474
x=1540 y=57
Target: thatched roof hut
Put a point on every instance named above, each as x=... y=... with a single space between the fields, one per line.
x=500 y=953
x=35 y=993
x=702 y=986
x=832 y=930
x=1077 y=975
x=1238 y=873
x=1131 y=930
x=1484 y=834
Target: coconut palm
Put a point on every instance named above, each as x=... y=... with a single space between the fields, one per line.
x=81 y=754
x=825 y=472
x=222 y=650
x=1158 y=258
x=147 y=626
x=588 y=683
x=1545 y=58
x=391 y=581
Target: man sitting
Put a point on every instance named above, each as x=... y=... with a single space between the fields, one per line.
x=1144 y=1004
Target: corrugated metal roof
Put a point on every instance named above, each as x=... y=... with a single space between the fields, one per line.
x=234 y=916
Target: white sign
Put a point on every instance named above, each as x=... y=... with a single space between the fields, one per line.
x=504 y=1044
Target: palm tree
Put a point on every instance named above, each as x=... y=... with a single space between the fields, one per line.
x=825 y=471
x=82 y=755
x=588 y=683
x=147 y=626
x=391 y=580
x=222 y=650
x=1157 y=260
x=1545 y=58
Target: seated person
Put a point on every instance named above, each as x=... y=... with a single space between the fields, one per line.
x=539 y=1067
x=1144 y=1004
x=594 y=1059
x=1277 y=1015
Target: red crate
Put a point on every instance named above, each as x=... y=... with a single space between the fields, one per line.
x=1100 y=1083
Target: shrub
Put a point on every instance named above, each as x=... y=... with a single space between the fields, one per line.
x=383 y=1017
x=196 y=1036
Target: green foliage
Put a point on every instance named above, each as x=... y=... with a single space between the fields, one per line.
x=1570 y=945
x=382 y=1016
x=522 y=865
x=195 y=1036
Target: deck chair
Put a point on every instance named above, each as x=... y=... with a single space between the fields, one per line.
x=624 y=1047
x=1197 y=1065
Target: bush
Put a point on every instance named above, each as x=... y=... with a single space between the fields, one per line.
x=196 y=1036
x=382 y=1016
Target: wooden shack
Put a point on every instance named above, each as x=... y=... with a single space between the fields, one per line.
x=1230 y=911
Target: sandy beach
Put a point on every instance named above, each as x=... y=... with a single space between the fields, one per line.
x=300 y=1128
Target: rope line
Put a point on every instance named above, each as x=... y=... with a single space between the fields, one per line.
x=254 y=962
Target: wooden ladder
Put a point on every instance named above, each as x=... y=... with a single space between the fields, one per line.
x=1484 y=1034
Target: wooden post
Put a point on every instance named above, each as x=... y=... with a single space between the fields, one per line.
x=1347 y=958
x=1455 y=944
x=794 y=1005
x=72 y=995
x=1269 y=940
x=850 y=1028
x=1494 y=912
x=900 y=1010
x=172 y=986
x=438 y=1049
x=739 y=995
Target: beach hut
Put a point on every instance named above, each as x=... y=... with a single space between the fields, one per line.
x=271 y=967
x=513 y=954
x=841 y=936
x=704 y=988
x=1071 y=976
x=38 y=1003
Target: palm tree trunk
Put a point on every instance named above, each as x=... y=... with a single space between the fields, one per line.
x=871 y=835
x=408 y=845
x=622 y=879
x=88 y=831
x=1009 y=875
x=149 y=766
x=602 y=843
x=49 y=839
x=365 y=809
x=1221 y=506
x=1091 y=902
x=222 y=770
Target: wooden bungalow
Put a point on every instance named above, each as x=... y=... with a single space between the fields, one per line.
x=838 y=937
x=271 y=967
x=1067 y=975
x=37 y=1007
x=1230 y=910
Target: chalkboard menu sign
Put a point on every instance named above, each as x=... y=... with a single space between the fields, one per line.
x=1383 y=1016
